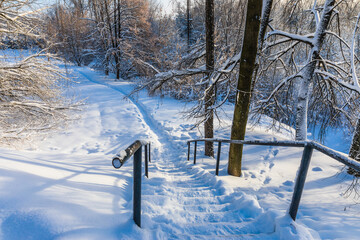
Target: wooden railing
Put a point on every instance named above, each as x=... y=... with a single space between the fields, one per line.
x=304 y=165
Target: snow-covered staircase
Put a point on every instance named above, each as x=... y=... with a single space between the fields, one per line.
x=182 y=201
x=185 y=204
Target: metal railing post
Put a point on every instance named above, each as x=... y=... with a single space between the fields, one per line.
x=218 y=159
x=146 y=162
x=309 y=146
x=150 y=152
x=188 y=155
x=195 y=152
x=300 y=180
x=137 y=187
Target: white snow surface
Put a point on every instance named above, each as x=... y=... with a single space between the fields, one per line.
x=64 y=186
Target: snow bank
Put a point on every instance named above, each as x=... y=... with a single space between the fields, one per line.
x=66 y=188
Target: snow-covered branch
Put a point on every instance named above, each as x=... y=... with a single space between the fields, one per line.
x=294 y=37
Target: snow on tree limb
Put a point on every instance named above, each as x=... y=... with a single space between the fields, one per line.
x=279 y=86
x=294 y=37
x=352 y=55
x=30 y=86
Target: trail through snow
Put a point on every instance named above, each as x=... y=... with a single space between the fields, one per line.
x=176 y=196
x=64 y=186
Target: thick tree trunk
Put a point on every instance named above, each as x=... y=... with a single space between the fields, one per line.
x=355 y=145
x=209 y=95
x=247 y=66
x=314 y=56
x=355 y=149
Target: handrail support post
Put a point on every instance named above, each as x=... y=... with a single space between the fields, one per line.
x=188 y=153
x=218 y=159
x=137 y=188
x=195 y=152
x=146 y=161
x=300 y=180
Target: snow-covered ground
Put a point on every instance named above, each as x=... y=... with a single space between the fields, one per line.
x=64 y=186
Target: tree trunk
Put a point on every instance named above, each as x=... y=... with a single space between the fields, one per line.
x=247 y=66
x=302 y=103
x=209 y=94
x=355 y=144
x=303 y=95
x=107 y=65
x=355 y=149
x=265 y=20
x=188 y=23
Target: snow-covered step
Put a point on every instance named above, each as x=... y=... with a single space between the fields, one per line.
x=226 y=237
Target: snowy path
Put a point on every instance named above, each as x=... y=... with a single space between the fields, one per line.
x=65 y=187
x=178 y=197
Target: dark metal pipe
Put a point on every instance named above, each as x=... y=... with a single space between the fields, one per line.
x=255 y=142
x=195 y=152
x=137 y=188
x=146 y=162
x=120 y=158
x=218 y=159
x=337 y=156
x=300 y=180
x=304 y=166
x=188 y=155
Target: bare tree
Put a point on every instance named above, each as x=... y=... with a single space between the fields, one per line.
x=124 y=34
x=315 y=65
x=69 y=28
x=30 y=96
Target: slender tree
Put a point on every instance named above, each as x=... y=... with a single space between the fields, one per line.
x=243 y=95
x=209 y=94
x=188 y=23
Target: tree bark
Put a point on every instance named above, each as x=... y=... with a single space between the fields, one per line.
x=355 y=149
x=247 y=66
x=307 y=76
x=209 y=93
x=188 y=30
x=265 y=20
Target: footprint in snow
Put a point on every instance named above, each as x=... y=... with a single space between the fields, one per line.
x=280 y=195
x=271 y=165
x=267 y=180
x=317 y=169
x=275 y=152
x=289 y=185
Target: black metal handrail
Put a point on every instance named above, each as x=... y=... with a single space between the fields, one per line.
x=304 y=165
x=119 y=160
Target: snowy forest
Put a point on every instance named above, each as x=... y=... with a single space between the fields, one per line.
x=233 y=69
